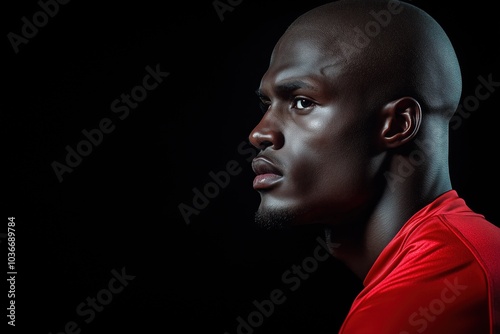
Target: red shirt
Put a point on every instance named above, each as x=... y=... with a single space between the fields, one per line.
x=439 y=275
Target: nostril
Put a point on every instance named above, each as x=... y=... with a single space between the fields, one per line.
x=265 y=144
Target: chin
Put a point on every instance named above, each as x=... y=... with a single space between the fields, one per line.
x=275 y=219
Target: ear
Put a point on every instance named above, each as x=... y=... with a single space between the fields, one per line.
x=401 y=122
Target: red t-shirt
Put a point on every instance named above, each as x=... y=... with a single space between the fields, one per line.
x=439 y=275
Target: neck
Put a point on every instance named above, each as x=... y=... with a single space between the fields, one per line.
x=360 y=241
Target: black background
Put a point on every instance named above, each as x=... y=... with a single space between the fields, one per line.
x=119 y=207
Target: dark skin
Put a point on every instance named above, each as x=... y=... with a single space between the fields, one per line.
x=355 y=136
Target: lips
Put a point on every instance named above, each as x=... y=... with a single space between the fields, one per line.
x=268 y=175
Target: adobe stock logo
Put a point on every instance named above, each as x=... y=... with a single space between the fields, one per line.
x=30 y=28
x=121 y=106
x=293 y=278
x=421 y=318
x=371 y=29
x=89 y=308
x=483 y=91
x=221 y=7
x=219 y=180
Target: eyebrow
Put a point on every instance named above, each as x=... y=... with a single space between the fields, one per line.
x=287 y=88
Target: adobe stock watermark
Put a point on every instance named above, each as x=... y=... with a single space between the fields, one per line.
x=120 y=106
x=88 y=309
x=218 y=180
x=30 y=28
x=293 y=279
x=420 y=319
x=407 y=166
x=222 y=7
x=363 y=36
x=483 y=91
x=470 y=103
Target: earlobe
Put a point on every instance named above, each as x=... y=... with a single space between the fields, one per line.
x=401 y=122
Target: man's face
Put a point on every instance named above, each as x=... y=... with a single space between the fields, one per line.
x=317 y=159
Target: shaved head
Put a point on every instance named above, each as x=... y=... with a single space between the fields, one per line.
x=391 y=48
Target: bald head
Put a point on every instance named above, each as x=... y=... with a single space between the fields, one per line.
x=389 y=49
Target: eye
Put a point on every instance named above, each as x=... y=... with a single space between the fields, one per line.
x=302 y=103
x=264 y=105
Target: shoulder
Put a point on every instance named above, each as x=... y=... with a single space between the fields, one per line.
x=455 y=239
x=430 y=277
x=435 y=245
x=449 y=231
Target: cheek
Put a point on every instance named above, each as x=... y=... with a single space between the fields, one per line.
x=334 y=173
x=333 y=169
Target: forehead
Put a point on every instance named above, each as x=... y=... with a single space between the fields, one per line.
x=305 y=53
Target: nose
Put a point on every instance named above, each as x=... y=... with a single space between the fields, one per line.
x=267 y=133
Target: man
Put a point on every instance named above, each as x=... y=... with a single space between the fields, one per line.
x=358 y=98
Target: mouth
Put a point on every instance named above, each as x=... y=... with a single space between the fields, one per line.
x=267 y=174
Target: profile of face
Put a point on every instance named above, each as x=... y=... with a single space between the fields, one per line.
x=318 y=153
x=337 y=118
